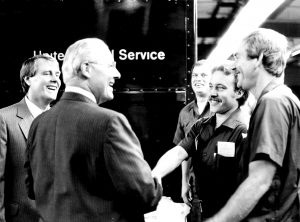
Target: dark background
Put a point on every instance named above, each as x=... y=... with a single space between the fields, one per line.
x=150 y=92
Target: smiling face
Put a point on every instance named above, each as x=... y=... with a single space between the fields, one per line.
x=223 y=97
x=89 y=64
x=103 y=73
x=246 y=69
x=44 y=85
x=200 y=79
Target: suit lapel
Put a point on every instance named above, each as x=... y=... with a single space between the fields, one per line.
x=25 y=117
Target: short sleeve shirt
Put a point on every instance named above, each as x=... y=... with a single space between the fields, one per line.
x=274 y=135
x=187 y=117
x=216 y=174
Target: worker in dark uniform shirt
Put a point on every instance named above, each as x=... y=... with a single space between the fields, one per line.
x=189 y=114
x=197 y=108
x=213 y=143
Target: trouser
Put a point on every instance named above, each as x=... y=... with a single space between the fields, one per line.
x=196 y=209
x=195 y=212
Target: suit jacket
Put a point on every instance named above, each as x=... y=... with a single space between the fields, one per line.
x=85 y=164
x=15 y=206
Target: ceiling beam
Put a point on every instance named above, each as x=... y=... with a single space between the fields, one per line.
x=280 y=9
x=217 y=27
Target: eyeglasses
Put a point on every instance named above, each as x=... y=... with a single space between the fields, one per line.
x=112 y=65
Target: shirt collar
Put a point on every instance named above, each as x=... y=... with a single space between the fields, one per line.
x=81 y=91
x=272 y=85
x=194 y=108
x=34 y=109
x=236 y=118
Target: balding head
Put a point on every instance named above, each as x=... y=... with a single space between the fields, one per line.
x=90 y=65
x=89 y=49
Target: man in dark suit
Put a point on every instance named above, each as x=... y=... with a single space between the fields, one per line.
x=84 y=162
x=40 y=81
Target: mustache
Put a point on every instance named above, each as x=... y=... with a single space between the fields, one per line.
x=216 y=99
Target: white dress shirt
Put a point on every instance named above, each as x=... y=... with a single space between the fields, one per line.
x=34 y=109
x=81 y=91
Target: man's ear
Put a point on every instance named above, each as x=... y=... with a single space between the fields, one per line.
x=239 y=93
x=27 y=80
x=85 y=70
x=259 y=59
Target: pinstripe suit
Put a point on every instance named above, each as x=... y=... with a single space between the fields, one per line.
x=15 y=122
x=85 y=164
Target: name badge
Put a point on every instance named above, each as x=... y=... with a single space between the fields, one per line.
x=226 y=149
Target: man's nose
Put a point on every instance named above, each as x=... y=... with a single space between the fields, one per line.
x=55 y=78
x=117 y=74
x=234 y=64
x=213 y=92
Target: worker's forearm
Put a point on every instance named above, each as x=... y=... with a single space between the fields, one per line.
x=169 y=161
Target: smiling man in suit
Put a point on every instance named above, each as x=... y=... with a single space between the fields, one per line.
x=84 y=162
x=40 y=81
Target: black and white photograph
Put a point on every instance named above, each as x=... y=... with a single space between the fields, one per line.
x=150 y=110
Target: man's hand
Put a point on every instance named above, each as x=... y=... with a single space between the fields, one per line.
x=157 y=176
x=186 y=193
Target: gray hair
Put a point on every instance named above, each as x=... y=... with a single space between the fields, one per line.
x=79 y=52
